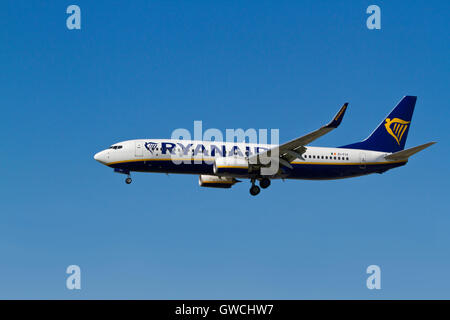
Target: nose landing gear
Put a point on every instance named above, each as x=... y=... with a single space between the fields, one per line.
x=128 y=180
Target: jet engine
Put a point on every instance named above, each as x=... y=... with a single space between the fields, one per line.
x=216 y=182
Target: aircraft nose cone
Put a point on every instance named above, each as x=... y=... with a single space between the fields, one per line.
x=100 y=157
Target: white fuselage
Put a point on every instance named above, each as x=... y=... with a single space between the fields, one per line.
x=187 y=156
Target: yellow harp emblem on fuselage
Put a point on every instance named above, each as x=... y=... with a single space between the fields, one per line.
x=396 y=128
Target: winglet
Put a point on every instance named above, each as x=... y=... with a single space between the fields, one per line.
x=338 y=117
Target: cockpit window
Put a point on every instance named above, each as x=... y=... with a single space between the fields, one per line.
x=115 y=147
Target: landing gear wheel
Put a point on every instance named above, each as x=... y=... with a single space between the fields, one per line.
x=128 y=180
x=254 y=190
x=264 y=183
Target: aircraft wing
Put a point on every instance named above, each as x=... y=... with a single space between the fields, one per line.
x=295 y=148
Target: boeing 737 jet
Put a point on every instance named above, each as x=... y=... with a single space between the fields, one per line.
x=221 y=164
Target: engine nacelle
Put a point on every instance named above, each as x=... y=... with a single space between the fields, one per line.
x=231 y=166
x=215 y=181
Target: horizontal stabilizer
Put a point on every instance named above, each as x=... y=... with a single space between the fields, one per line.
x=405 y=154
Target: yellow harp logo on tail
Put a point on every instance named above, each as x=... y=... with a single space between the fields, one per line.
x=396 y=128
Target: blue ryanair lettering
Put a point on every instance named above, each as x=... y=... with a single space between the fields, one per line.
x=235 y=151
x=184 y=149
x=248 y=152
x=258 y=149
x=203 y=150
x=215 y=149
x=167 y=147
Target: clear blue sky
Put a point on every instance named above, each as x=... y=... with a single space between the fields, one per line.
x=140 y=69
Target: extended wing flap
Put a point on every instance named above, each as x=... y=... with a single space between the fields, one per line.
x=405 y=154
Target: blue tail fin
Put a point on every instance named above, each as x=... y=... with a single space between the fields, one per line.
x=390 y=135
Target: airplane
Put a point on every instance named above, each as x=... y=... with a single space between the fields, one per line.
x=221 y=164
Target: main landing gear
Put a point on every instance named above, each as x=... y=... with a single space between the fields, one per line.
x=254 y=190
x=263 y=183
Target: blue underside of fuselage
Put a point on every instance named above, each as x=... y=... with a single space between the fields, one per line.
x=299 y=171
